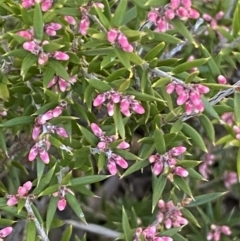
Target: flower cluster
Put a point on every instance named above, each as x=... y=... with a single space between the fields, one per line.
x=176 y=8
x=230 y=178
x=103 y=146
x=42 y=126
x=216 y=231
x=208 y=160
x=227 y=118
x=168 y=160
x=190 y=94
x=61 y=84
x=116 y=37
x=5 y=232
x=213 y=20
x=22 y=193
x=127 y=102
x=149 y=234
x=45 y=4
x=61 y=195
x=36 y=48
x=170 y=215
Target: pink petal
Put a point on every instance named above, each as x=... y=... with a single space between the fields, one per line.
x=121 y=162
x=84 y=25
x=137 y=107
x=12 y=201
x=5 y=232
x=33 y=153
x=60 y=55
x=157 y=168
x=46 y=5
x=57 y=111
x=44 y=155
x=110 y=108
x=123 y=145
x=71 y=20
x=62 y=84
x=99 y=99
x=178 y=150
x=112 y=167
x=28 y=185
x=22 y=191
x=61 y=132
x=52 y=82
x=96 y=130
x=61 y=204
x=112 y=35
x=36 y=131
x=181 y=172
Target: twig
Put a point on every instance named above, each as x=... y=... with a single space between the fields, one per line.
x=40 y=230
x=93 y=228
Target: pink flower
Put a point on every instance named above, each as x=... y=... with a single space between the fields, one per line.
x=28 y=3
x=181 y=172
x=174 y=4
x=5 y=232
x=46 y=5
x=84 y=25
x=12 y=200
x=99 y=99
x=61 y=204
x=222 y=79
x=23 y=190
x=71 y=20
x=96 y=130
x=27 y=34
x=216 y=231
x=153 y=16
x=40 y=148
x=60 y=55
x=230 y=178
x=112 y=35
x=50 y=28
x=61 y=132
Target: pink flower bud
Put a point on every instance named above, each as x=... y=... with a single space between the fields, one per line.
x=165 y=238
x=12 y=201
x=221 y=79
x=36 y=131
x=97 y=131
x=123 y=145
x=115 y=98
x=22 y=191
x=27 y=186
x=112 y=35
x=44 y=155
x=124 y=107
x=182 y=98
x=170 y=88
x=123 y=41
x=174 y=4
x=226 y=230
x=168 y=223
x=84 y=25
x=57 y=111
x=25 y=34
x=121 y=162
x=178 y=150
x=33 y=153
x=71 y=20
x=202 y=89
x=46 y=5
x=28 y=3
x=179 y=88
x=61 y=132
x=42 y=58
x=99 y=99
x=102 y=145
x=48 y=115
x=182 y=12
x=99 y=5
x=60 y=56
x=5 y=232
x=157 y=168
x=52 y=82
x=137 y=108
x=207 y=17
x=110 y=108
x=30 y=46
x=170 y=14
x=161 y=25
x=152 y=16
x=219 y=15
x=189 y=108
x=61 y=204
x=181 y=172
x=187 y=3
x=112 y=167
x=63 y=84
x=195 y=98
x=193 y=13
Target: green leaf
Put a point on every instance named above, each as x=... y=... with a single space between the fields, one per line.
x=19 y=53
x=38 y=22
x=4 y=92
x=188 y=163
x=170 y=232
x=67 y=234
x=211 y=63
x=123 y=57
x=40 y=169
x=88 y=135
x=87 y=180
x=180 y=27
x=49 y=73
x=205 y=198
x=59 y=69
x=156 y=3
x=125 y=154
x=159 y=141
x=28 y=62
x=190 y=217
x=181 y=184
x=236 y=107
x=208 y=127
x=238 y=163
x=177 y=126
x=189 y=65
x=6 y=222
x=158 y=189
x=125 y=225
x=30 y=231
x=135 y=167
x=99 y=85
x=103 y=19
x=195 y=136
x=51 y=47
x=119 y=13
x=49 y=190
x=52 y=206
x=208 y=108
x=143 y=96
x=154 y=52
x=118 y=121
x=21 y=120
x=3 y=145
x=68 y=11
x=236 y=21
x=178 y=237
x=74 y=204
x=134 y=58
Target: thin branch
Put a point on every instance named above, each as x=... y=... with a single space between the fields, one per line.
x=94 y=228
x=40 y=230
